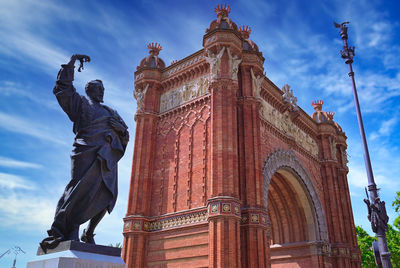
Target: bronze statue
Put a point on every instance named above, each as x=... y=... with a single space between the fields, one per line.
x=100 y=142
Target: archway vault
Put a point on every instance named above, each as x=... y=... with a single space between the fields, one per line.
x=290 y=175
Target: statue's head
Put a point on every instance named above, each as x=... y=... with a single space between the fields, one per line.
x=95 y=90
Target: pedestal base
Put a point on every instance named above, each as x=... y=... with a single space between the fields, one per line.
x=72 y=254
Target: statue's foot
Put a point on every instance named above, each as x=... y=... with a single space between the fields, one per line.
x=87 y=237
x=50 y=242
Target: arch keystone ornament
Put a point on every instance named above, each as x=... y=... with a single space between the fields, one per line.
x=228 y=171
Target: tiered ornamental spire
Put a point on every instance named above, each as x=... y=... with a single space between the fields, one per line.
x=330 y=117
x=222 y=10
x=223 y=21
x=319 y=116
x=245 y=31
x=323 y=117
x=248 y=44
x=153 y=61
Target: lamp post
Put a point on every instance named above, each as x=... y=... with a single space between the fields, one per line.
x=376 y=208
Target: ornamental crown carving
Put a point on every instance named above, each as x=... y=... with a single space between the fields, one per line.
x=222 y=10
x=245 y=31
x=248 y=44
x=153 y=61
x=317 y=104
x=330 y=118
x=154 y=48
x=319 y=116
x=223 y=21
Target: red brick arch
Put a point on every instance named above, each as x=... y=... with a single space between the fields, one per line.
x=282 y=164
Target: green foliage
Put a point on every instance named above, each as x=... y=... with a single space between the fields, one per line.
x=394 y=234
x=364 y=243
x=393 y=239
x=117 y=245
x=396 y=203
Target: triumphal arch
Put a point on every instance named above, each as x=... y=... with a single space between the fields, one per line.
x=228 y=171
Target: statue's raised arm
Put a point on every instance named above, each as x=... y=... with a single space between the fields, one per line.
x=68 y=98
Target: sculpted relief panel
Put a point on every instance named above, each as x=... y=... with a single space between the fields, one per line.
x=185 y=93
x=284 y=124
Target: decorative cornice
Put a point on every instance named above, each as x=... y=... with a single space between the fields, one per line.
x=182 y=65
x=288 y=139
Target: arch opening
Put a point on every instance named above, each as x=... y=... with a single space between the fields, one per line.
x=298 y=229
x=290 y=210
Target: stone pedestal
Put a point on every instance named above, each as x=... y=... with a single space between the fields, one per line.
x=73 y=254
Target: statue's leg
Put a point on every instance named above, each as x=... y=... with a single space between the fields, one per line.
x=74 y=234
x=88 y=233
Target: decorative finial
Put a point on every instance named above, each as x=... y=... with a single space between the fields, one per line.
x=317 y=104
x=343 y=29
x=174 y=61
x=330 y=115
x=245 y=31
x=348 y=52
x=154 y=48
x=222 y=10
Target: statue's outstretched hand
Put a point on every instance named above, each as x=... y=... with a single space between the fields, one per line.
x=82 y=58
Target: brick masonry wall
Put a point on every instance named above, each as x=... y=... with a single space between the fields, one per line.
x=214 y=184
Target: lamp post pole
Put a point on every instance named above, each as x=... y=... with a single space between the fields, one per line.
x=376 y=208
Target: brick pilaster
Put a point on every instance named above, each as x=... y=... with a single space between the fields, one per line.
x=254 y=242
x=224 y=205
x=135 y=223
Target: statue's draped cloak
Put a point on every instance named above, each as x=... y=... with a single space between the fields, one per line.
x=97 y=149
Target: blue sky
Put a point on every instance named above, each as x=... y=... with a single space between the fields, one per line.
x=298 y=41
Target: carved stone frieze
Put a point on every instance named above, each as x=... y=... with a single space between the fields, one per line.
x=178 y=221
x=285 y=125
x=185 y=93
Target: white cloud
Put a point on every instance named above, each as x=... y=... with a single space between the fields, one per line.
x=25 y=126
x=32 y=49
x=379 y=33
x=357 y=176
x=354 y=194
x=12 y=163
x=384 y=171
x=26 y=211
x=15 y=89
x=11 y=182
x=386 y=128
